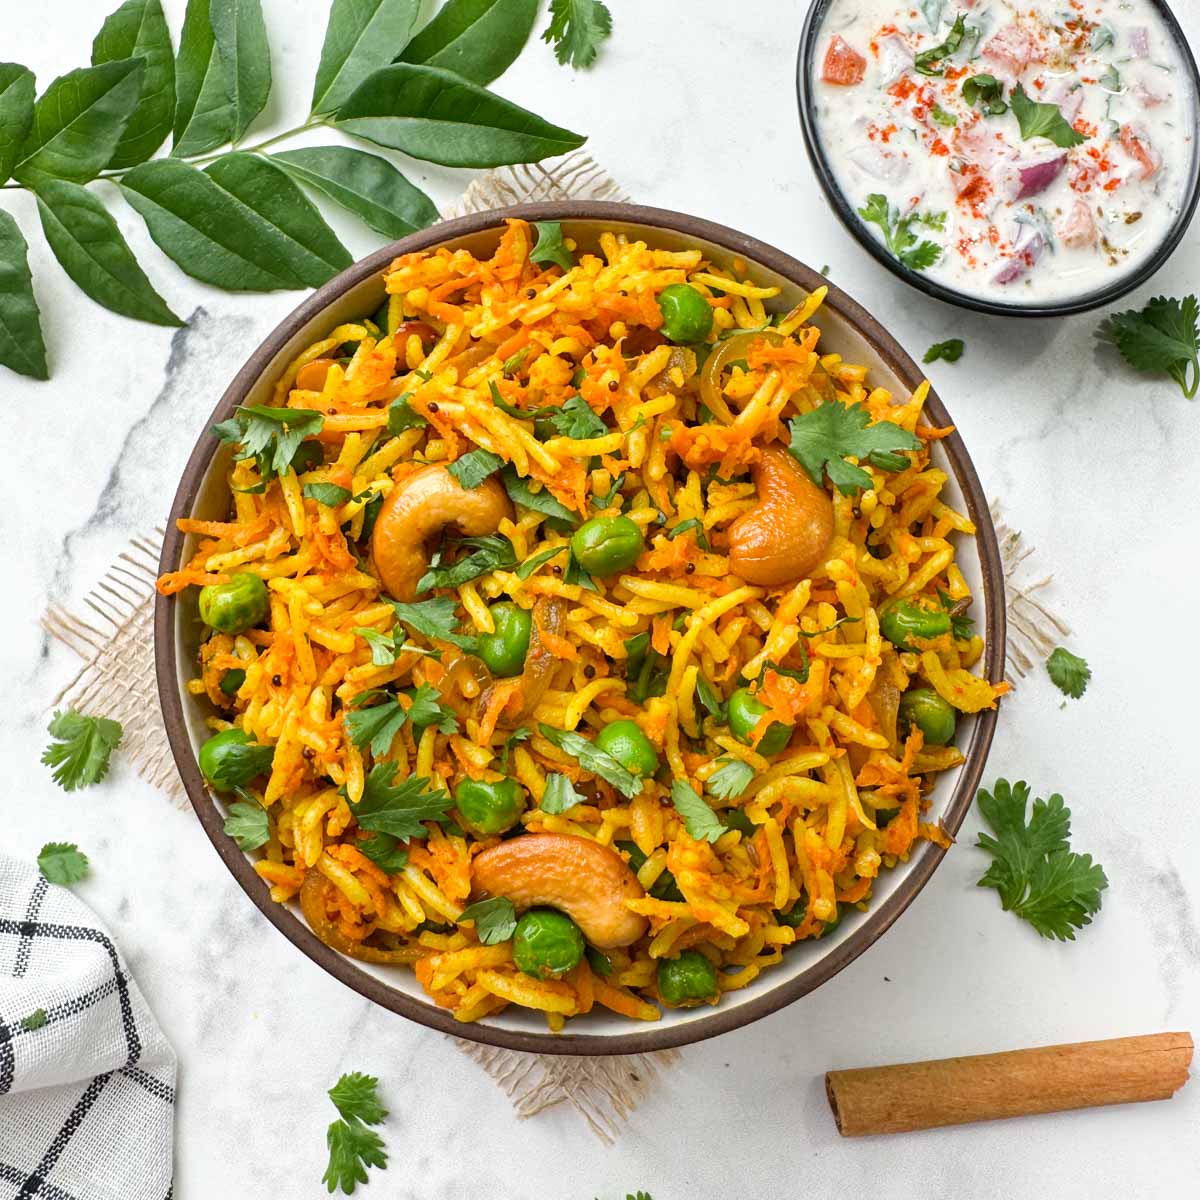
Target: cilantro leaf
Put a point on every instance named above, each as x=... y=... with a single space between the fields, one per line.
x=519 y=492
x=402 y=415
x=376 y=726
x=522 y=414
x=492 y=553
x=352 y=1148
x=240 y=762
x=62 y=863
x=428 y=709
x=577 y=28
x=800 y=673
x=271 y=436
x=731 y=780
x=692 y=523
x=577 y=420
x=592 y=758
x=986 y=93
x=550 y=247
x=898 y=235
x=513 y=363
x=1042 y=120
x=474 y=467
x=328 y=494
x=385 y=852
x=928 y=61
x=645 y=669
x=531 y=564
x=383 y=646
x=962 y=627
x=1162 y=337
x=354 y=1097
x=700 y=821
x=941 y=116
x=398 y=809
x=1070 y=673
x=247 y=824
x=576 y=576
x=1037 y=875
x=495 y=919
x=521 y=734
x=824 y=438
x=559 y=795
x=35 y=1020
x=948 y=351
x=599 y=962
x=82 y=747
x=717 y=707
x=434 y=619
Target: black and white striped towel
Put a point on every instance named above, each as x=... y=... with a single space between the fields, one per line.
x=87 y=1079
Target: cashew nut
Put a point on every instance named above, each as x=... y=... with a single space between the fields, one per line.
x=786 y=535
x=424 y=504
x=587 y=881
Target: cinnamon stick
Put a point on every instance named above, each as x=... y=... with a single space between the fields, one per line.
x=985 y=1087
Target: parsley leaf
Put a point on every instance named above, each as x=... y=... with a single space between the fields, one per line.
x=731 y=780
x=985 y=92
x=700 y=821
x=398 y=809
x=898 y=235
x=385 y=852
x=948 y=351
x=1036 y=873
x=560 y=795
x=550 y=247
x=531 y=564
x=577 y=28
x=328 y=494
x=62 y=863
x=1070 y=673
x=1042 y=120
x=35 y=1020
x=495 y=919
x=352 y=1146
x=402 y=415
x=592 y=758
x=492 y=553
x=376 y=726
x=428 y=709
x=577 y=420
x=82 y=747
x=519 y=492
x=822 y=440
x=474 y=467
x=1162 y=337
x=354 y=1097
x=271 y=436
x=247 y=824
x=434 y=619
x=928 y=61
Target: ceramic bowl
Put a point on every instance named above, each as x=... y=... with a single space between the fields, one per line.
x=203 y=493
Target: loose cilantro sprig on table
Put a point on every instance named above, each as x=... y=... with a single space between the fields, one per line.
x=353 y=1147
x=823 y=439
x=1038 y=876
x=495 y=919
x=698 y=819
x=577 y=28
x=1070 y=673
x=898 y=232
x=62 y=863
x=949 y=351
x=592 y=758
x=83 y=745
x=1042 y=120
x=1162 y=337
x=398 y=809
x=549 y=246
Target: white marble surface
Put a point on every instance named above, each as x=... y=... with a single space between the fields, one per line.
x=692 y=108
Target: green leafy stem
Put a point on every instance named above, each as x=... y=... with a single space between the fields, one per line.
x=230 y=214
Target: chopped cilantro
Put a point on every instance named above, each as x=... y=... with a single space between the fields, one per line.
x=519 y=492
x=550 y=247
x=247 y=824
x=385 y=852
x=577 y=420
x=401 y=415
x=531 y=564
x=693 y=523
x=328 y=494
x=492 y=553
x=592 y=758
x=928 y=62
x=35 y=1020
x=1042 y=120
x=495 y=919
x=474 y=467
x=699 y=820
x=434 y=618
x=401 y=808
x=823 y=439
x=731 y=780
x=375 y=726
x=560 y=795
x=986 y=93
x=271 y=436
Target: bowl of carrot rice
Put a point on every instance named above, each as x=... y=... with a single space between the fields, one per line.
x=568 y=711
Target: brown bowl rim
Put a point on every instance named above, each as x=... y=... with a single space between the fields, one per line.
x=877 y=920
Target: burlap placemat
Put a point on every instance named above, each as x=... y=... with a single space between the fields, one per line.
x=115 y=640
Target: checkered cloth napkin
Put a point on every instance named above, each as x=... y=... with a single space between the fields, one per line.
x=87 y=1080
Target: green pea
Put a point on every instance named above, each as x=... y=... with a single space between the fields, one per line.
x=232 y=758
x=546 y=943
x=232 y=680
x=744 y=712
x=488 y=807
x=932 y=715
x=504 y=651
x=904 y=620
x=687 y=316
x=687 y=980
x=606 y=545
x=625 y=741
x=235 y=606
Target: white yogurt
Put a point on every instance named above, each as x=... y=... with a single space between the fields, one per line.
x=970 y=201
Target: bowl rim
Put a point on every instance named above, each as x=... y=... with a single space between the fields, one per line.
x=642 y=1039
x=845 y=213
